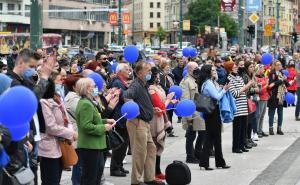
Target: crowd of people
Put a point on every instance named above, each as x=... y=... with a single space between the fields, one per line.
x=71 y=107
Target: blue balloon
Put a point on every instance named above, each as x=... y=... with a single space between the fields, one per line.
x=17 y=106
x=184 y=73
x=97 y=79
x=170 y=106
x=114 y=67
x=131 y=54
x=289 y=98
x=266 y=59
x=186 y=52
x=285 y=72
x=131 y=109
x=19 y=132
x=193 y=52
x=185 y=108
x=177 y=90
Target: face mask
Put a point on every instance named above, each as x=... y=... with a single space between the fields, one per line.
x=242 y=69
x=110 y=59
x=29 y=72
x=60 y=89
x=35 y=78
x=104 y=63
x=157 y=81
x=95 y=92
x=196 y=73
x=148 y=77
x=4 y=71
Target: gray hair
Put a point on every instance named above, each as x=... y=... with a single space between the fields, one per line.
x=121 y=67
x=82 y=86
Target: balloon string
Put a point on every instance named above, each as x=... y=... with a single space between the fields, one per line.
x=170 y=109
x=121 y=118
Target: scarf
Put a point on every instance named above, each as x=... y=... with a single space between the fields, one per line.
x=281 y=90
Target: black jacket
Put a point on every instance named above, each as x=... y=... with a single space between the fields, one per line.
x=11 y=60
x=177 y=72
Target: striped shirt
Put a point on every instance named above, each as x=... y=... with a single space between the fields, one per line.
x=241 y=99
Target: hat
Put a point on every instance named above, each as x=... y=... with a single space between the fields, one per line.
x=228 y=65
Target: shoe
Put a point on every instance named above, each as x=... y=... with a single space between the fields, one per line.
x=279 y=131
x=252 y=143
x=264 y=134
x=161 y=176
x=297 y=119
x=237 y=151
x=245 y=150
x=271 y=131
x=155 y=182
x=206 y=168
x=260 y=135
x=192 y=161
x=248 y=145
x=117 y=173
x=255 y=137
x=224 y=166
x=172 y=135
x=124 y=171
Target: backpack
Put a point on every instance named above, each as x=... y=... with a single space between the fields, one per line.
x=178 y=173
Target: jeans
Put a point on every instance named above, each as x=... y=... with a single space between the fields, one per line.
x=297 y=111
x=190 y=135
x=260 y=114
x=77 y=170
x=279 y=114
x=51 y=170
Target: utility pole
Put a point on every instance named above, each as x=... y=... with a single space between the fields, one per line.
x=120 y=34
x=181 y=24
x=241 y=23
x=277 y=34
x=132 y=29
x=36 y=24
x=218 y=31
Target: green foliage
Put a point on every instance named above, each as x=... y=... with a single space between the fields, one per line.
x=161 y=35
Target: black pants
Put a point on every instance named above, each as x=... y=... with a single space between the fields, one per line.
x=92 y=162
x=119 y=154
x=213 y=138
x=51 y=170
x=157 y=165
x=190 y=135
x=239 y=132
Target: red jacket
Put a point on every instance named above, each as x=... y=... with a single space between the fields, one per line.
x=263 y=94
x=291 y=77
x=156 y=101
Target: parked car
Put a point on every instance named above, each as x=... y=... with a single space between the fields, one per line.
x=88 y=53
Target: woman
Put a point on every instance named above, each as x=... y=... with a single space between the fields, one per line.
x=55 y=127
x=251 y=95
x=238 y=90
x=277 y=85
x=166 y=81
x=91 y=133
x=292 y=78
x=160 y=120
x=261 y=108
x=71 y=101
x=213 y=123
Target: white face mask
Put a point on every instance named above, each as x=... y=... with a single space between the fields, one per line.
x=4 y=71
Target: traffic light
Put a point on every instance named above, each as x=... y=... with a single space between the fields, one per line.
x=295 y=37
x=251 y=30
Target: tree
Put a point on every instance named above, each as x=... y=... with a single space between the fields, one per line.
x=206 y=12
x=161 y=35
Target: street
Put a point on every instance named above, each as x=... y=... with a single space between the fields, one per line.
x=275 y=160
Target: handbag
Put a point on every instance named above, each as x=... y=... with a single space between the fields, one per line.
x=113 y=140
x=251 y=106
x=204 y=104
x=24 y=176
x=69 y=157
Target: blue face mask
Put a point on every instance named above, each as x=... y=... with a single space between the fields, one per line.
x=148 y=77
x=95 y=92
x=29 y=72
x=60 y=90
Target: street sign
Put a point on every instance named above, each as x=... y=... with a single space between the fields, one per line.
x=254 y=18
x=126 y=17
x=186 y=25
x=268 y=27
x=113 y=18
x=125 y=32
x=253 y=6
x=272 y=21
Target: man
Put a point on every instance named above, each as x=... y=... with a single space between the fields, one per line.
x=178 y=70
x=11 y=59
x=296 y=57
x=142 y=146
x=80 y=57
x=118 y=155
x=194 y=123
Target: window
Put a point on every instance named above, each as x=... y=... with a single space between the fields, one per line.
x=158 y=5
x=158 y=14
x=27 y=8
x=151 y=24
x=1 y=8
x=158 y=24
x=19 y=8
x=151 y=14
x=151 y=5
x=11 y=7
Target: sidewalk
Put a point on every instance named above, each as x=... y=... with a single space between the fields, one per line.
x=244 y=167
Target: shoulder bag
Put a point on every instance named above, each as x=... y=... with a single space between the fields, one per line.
x=68 y=154
x=204 y=103
x=113 y=140
x=24 y=176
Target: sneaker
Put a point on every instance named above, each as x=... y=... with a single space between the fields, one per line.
x=255 y=137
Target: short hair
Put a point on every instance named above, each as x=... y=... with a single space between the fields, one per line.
x=121 y=67
x=190 y=64
x=25 y=55
x=98 y=55
x=163 y=63
x=82 y=86
x=141 y=66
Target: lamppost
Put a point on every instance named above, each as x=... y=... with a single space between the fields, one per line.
x=120 y=32
x=277 y=34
